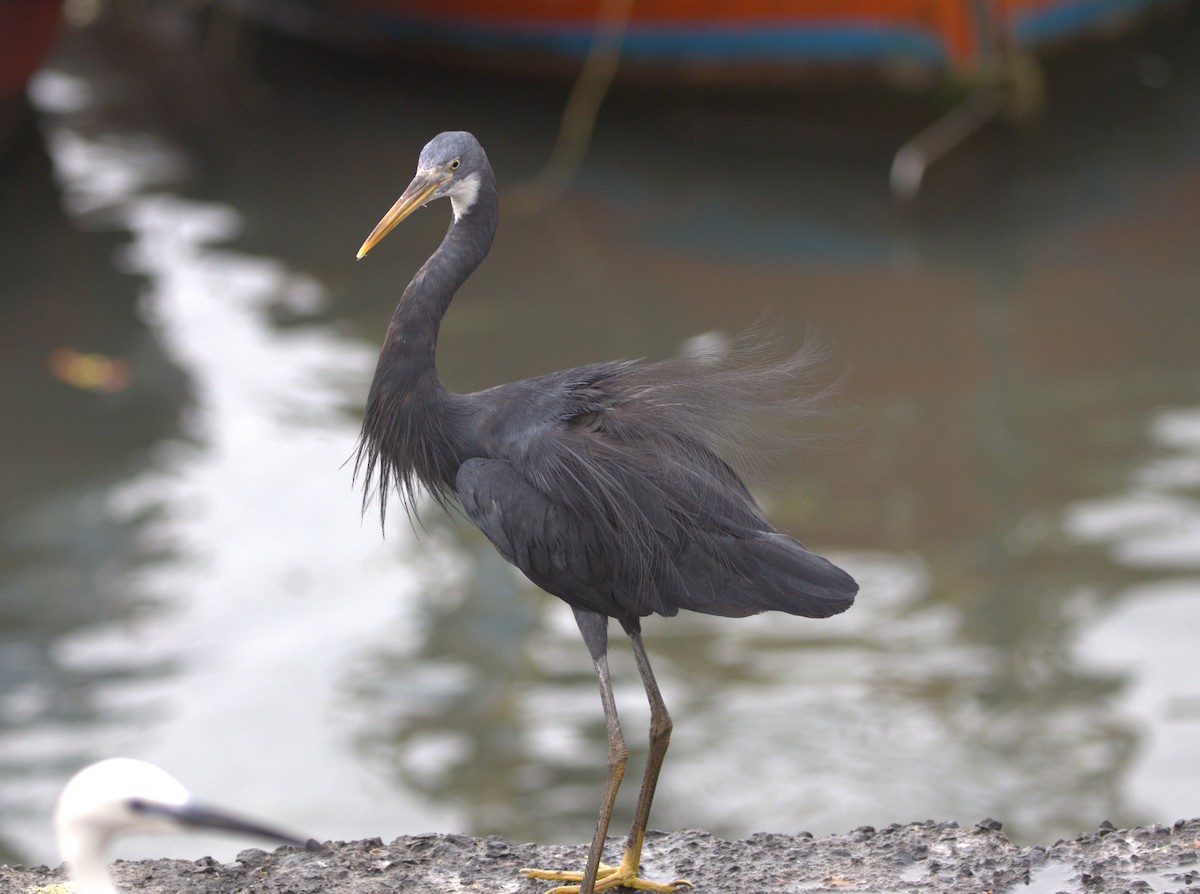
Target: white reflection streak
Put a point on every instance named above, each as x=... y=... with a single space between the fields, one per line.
x=1156 y=524
x=271 y=584
x=99 y=175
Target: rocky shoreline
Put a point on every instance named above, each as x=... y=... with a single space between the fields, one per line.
x=921 y=858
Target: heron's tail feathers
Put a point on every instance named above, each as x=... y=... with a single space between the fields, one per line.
x=768 y=571
x=794 y=580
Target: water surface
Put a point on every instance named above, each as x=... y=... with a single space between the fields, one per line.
x=1014 y=475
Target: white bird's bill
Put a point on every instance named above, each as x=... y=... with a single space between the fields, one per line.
x=122 y=796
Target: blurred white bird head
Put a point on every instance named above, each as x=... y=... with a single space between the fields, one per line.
x=123 y=796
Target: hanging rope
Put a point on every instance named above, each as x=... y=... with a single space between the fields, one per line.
x=580 y=112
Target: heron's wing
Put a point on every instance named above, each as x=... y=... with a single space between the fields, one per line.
x=606 y=491
x=629 y=551
x=687 y=531
x=558 y=549
x=530 y=530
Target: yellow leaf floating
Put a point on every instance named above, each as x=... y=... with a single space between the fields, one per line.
x=91 y=372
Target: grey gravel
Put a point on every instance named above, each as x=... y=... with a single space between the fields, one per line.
x=924 y=858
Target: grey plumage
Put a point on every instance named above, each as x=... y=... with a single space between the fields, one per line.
x=609 y=485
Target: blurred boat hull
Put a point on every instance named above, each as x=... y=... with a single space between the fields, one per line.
x=734 y=40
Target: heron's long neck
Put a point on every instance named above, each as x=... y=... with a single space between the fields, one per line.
x=410 y=430
x=412 y=333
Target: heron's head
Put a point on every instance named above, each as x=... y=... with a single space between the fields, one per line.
x=453 y=165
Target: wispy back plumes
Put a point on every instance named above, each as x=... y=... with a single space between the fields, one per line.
x=749 y=398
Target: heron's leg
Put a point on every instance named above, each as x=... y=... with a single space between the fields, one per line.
x=660 y=738
x=596 y=875
x=594 y=628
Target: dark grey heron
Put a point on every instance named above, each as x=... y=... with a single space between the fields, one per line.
x=604 y=484
x=120 y=796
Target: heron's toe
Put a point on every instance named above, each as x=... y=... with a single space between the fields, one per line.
x=607 y=877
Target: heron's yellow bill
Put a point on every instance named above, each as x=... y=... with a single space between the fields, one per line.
x=414 y=197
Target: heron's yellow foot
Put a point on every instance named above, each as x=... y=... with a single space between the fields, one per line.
x=607 y=877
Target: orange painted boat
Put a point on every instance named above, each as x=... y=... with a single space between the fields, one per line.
x=716 y=37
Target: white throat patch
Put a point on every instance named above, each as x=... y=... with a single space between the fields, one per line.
x=464 y=194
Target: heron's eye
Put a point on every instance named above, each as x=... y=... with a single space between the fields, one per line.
x=454 y=164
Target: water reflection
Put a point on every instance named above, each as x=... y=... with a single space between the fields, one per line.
x=446 y=713
x=1152 y=529
x=63 y=556
x=185 y=578
x=161 y=661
